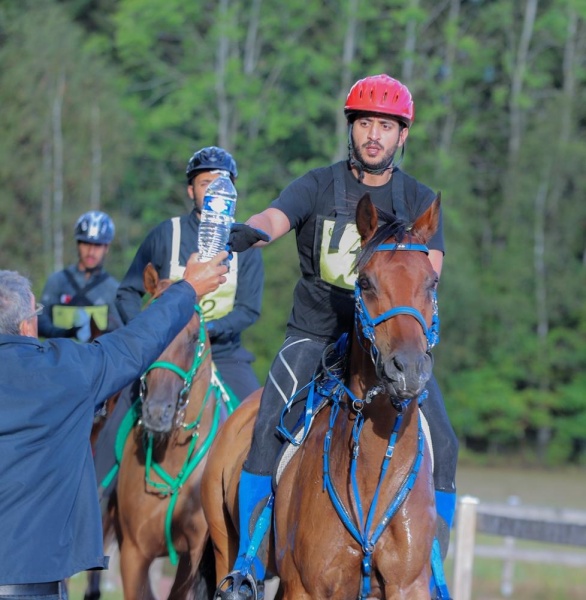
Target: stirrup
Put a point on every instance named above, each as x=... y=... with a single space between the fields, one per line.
x=239 y=586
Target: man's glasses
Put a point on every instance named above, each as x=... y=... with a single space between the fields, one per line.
x=38 y=310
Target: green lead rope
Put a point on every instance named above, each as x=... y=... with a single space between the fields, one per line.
x=228 y=396
x=173 y=485
x=128 y=422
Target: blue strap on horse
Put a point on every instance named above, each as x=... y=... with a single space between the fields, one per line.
x=361 y=531
x=438 y=576
x=262 y=526
x=367 y=323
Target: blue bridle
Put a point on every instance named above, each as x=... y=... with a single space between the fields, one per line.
x=366 y=323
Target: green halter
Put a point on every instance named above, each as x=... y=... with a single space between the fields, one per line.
x=169 y=485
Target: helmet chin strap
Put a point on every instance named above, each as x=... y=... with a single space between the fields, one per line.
x=92 y=270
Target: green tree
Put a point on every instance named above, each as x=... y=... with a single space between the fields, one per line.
x=499 y=129
x=66 y=137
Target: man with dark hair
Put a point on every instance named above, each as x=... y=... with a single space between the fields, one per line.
x=235 y=306
x=227 y=312
x=85 y=289
x=320 y=207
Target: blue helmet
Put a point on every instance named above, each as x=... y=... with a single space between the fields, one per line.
x=210 y=159
x=94 y=227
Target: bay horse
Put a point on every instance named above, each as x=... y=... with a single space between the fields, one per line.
x=158 y=509
x=354 y=511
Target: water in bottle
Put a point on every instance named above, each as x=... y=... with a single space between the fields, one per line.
x=217 y=216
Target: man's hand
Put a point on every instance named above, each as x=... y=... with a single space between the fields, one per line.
x=243 y=236
x=205 y=277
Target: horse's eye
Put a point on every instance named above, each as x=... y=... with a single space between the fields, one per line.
x=432 y=285
x=364 y=283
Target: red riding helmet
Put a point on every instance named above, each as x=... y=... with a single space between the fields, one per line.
x=381 y=94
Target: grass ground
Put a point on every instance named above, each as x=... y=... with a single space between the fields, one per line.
x=560 y=488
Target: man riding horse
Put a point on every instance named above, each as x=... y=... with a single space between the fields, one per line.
x=320 y=206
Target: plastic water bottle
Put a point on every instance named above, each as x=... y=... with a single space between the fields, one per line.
x=217 y=216
x=81 y=320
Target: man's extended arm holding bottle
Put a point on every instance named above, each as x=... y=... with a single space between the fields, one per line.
x=261 y=229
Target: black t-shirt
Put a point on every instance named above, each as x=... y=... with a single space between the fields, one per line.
x=323 y=304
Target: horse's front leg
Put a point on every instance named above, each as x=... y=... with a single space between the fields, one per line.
x=187 y=584
x=194 y=577
x=134 y=569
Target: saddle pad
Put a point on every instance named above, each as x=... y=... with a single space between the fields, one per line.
x=427 y=435
x=285 y=456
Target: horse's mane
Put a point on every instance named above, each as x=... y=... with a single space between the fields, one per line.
x=389 y=226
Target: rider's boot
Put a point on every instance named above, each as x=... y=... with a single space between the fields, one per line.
x=445 y=505
x=255 y=504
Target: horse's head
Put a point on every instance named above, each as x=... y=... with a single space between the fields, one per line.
x=396 y=310
x=166 y=386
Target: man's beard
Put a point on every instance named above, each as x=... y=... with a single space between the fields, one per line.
x=92 y=269
x=369 y=166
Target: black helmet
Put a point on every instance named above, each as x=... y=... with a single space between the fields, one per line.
x=94 y=227
x=210 y=159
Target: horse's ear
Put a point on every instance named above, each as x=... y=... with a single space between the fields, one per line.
x=426 y=225
x=150 y=279
x=366 y=218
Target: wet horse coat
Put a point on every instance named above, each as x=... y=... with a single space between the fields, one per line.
x=354 y=509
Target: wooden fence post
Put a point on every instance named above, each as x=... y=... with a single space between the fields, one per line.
x=464 y=549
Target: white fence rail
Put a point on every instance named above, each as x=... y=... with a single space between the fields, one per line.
x=513 y=521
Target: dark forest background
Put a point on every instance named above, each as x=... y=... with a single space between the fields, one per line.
x=103 y=101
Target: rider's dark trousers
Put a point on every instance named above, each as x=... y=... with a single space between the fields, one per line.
x=293 y=367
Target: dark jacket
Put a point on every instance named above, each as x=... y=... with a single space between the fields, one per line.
x=50 y=525
x=70 y=287
x=224 y=330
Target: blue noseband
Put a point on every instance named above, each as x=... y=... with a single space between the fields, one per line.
x=367 y=323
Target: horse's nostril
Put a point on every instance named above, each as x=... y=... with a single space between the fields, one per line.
x=399 y=364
